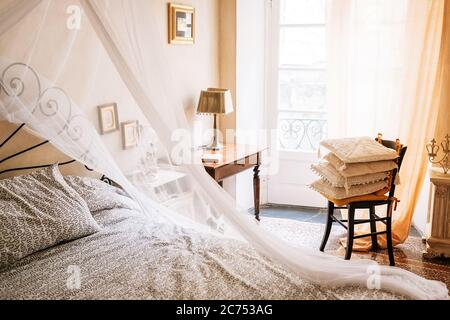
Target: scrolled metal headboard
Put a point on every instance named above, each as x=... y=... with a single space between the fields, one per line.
x=10 y=137
x=14 y=85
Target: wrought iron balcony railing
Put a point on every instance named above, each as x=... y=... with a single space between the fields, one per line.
x=302 y=131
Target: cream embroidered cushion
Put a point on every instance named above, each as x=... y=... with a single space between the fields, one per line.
x=328 y=172
x=38 y=211
x=357 y=150
x=358 y=169
x=328 y=190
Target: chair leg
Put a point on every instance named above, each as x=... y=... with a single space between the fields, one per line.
x=390 y=248
x=328 y=226
x=373 y=229
x=350 y=232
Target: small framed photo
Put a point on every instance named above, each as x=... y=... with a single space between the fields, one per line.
x=108 y=118
x=130 y=134
x=181 y=24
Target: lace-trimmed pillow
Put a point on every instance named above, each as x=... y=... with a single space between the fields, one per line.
x=323 y=187
x=38 y=211
x=358 y=169
x=328 y=172
x=357 y=150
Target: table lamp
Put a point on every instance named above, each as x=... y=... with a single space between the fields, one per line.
x=215 y=101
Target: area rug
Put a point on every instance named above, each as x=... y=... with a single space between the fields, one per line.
x=408 y=256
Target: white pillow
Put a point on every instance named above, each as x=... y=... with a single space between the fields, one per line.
x=323 y=187
x=357 y=150
x=328 y=172
x=358 y=169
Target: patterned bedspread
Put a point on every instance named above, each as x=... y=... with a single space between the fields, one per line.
x=132 y=258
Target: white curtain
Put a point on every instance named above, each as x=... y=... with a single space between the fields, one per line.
x=383 y=67
x=13 y=11
x=122 y=28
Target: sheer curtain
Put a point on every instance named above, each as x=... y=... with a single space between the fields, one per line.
x=443 y=99
x=383 y=77
x=122 y=28
x=13 y=11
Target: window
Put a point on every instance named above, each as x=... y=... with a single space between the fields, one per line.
x=302 y=74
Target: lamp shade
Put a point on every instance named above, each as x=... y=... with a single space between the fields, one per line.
x=215 y=101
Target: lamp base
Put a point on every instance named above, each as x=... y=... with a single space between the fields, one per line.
x=217 y=147
x=215 y=144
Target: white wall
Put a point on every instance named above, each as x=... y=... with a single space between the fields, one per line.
x=89 y=76
x=250 y=99
x=227 y=65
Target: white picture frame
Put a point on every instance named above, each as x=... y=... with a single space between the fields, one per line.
x=130 y=134
x=108 y=118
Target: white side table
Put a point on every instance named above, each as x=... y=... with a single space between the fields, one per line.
x=166 y=187
x=163 y=178
x=438 y=221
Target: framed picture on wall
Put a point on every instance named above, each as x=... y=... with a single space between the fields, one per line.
x=130 y=134
x=181 y=24
x=108 y=118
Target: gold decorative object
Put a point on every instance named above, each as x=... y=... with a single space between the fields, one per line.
x=433 y=149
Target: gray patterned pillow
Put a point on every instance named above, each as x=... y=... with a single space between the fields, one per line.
x=99 y=195
x=38 y=211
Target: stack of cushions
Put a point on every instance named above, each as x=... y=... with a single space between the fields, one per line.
x=354 y=169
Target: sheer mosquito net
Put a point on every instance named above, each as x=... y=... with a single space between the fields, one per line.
x=50 y=53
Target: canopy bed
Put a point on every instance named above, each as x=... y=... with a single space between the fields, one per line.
x=131 y=246
x=136 y=256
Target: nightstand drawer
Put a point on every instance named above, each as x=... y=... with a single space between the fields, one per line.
x=231 y=170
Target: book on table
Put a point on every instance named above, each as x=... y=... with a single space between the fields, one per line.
x=212 y=158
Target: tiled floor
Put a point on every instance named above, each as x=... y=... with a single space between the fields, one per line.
x=304 y=215
x=304 y=227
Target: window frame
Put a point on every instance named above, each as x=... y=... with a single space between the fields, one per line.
x=318 y=116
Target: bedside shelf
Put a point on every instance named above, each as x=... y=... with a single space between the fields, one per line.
x=164 y=189
x=163 y=178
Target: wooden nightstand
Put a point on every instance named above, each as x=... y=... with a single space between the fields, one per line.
x=234 y=159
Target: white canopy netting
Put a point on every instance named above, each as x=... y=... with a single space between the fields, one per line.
x=46 y=67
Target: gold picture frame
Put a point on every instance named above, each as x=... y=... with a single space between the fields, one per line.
x=181 y=24
x=108 y=118
x=130 y=134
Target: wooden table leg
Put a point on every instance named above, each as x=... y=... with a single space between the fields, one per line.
x=256 y=191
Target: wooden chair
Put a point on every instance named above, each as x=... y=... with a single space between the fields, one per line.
x=372 y=201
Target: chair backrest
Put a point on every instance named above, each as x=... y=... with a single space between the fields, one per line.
x=401 y=149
